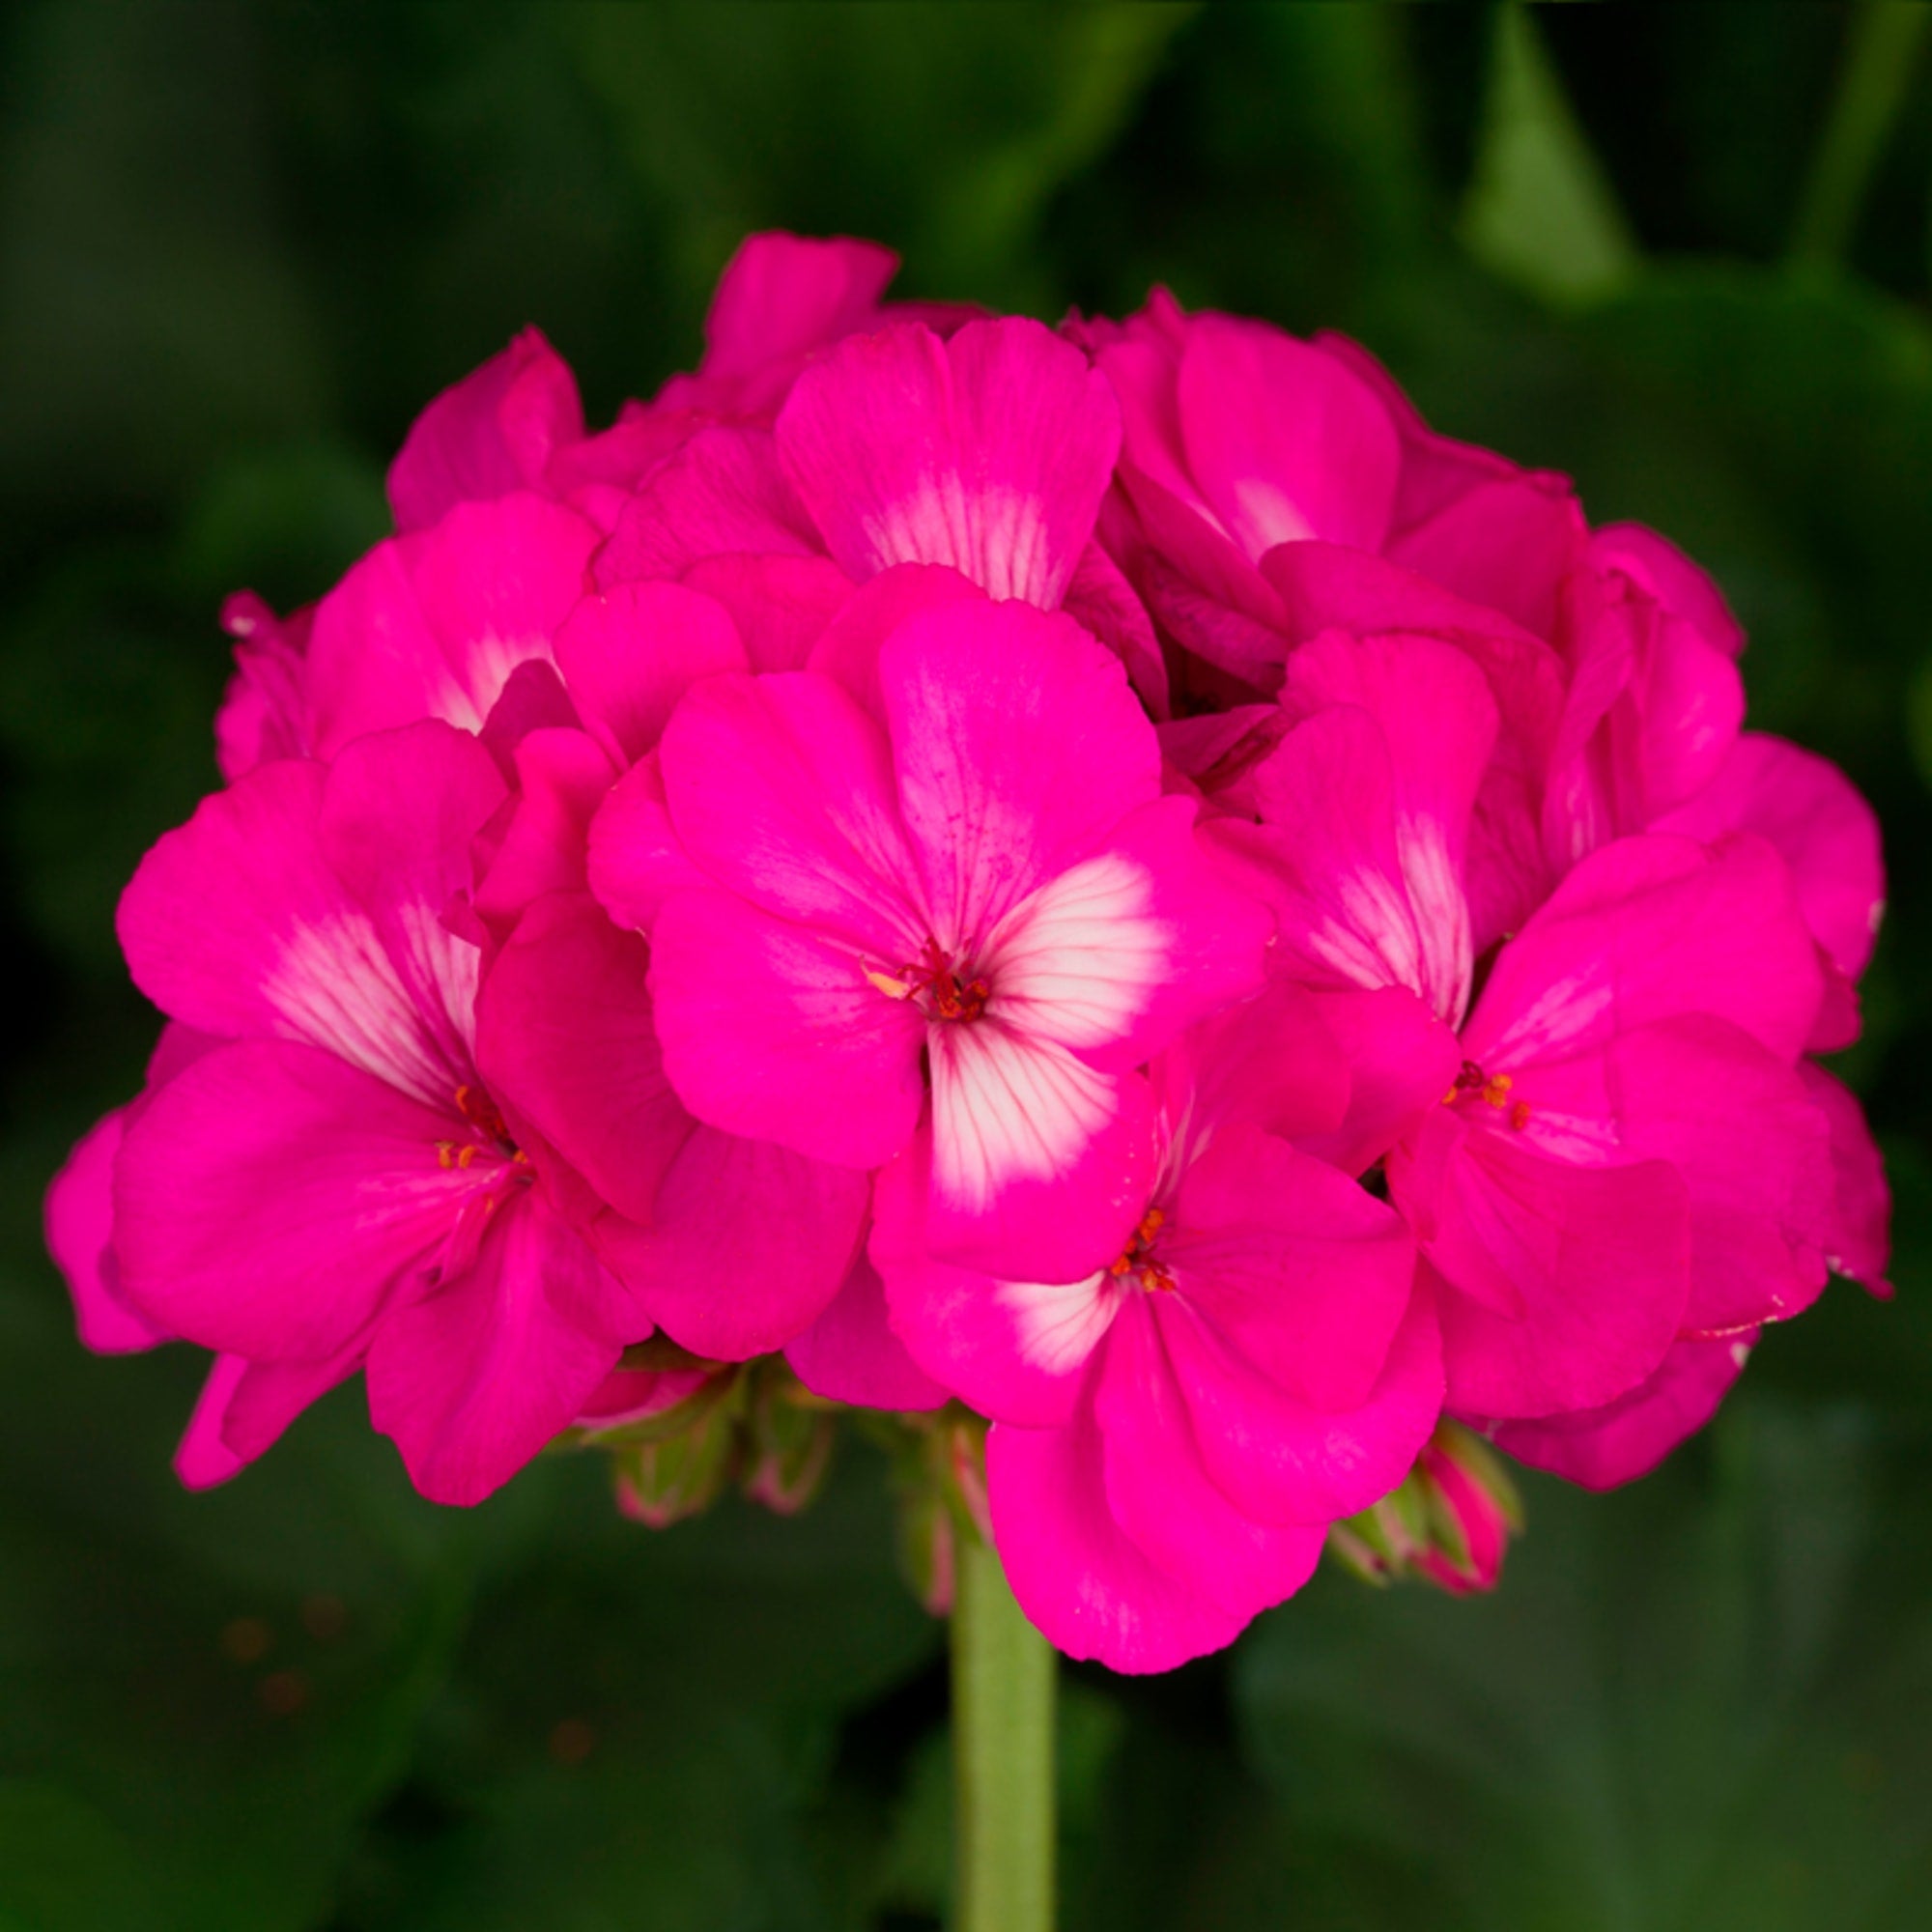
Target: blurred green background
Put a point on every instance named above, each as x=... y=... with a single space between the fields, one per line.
x=1681 y=253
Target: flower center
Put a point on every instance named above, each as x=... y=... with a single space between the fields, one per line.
x=1137 y=1259
x=487 y=1118
x=941 y=986
x=1492 y=1089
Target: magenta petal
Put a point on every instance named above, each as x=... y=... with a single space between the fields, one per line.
x=494 y=432
x=782 y=295
x=1280 y=1461
x=564 y=1039
x=1304 y=1272
x=1754 y=1151
x=81 y=1237
x=1266 y=1063
x=1677 y=583
x=852 y=1355
x=634 y=861
x=268 y=1200
x=562 y=777
x=1826 y=832
x=1573 y=1280
x=1857 y=1240
x=722 y=492
x=1645 y=930
x=1626 y=1438
x=1507 y=544
x=432 y=625
x=781 y=605
x=749 y=1243
x=1011 y=1350
x=769 y=1031
x=476 y=1378
x=1159 y=1493
x=244 y=1406
x=1283 y=442
x=1399 y=1058
x=629 y=655
x=399 y=820
x=988 y=451
x=1103 y=600
x=780 y=790
x=234 y=924
x=849 y=648
x=1084 y=1584
x=1018 y=746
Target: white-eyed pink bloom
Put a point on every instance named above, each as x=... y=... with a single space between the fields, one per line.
x=1177 y=1421
x=942 y=916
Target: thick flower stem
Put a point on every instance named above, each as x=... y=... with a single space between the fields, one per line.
x=1002 y=1684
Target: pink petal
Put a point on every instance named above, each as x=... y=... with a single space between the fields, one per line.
x=1103 y=600
x=1018 y=744
x=1282 y=441
x=988 y=452
x=852 y=1355
x=400 y=816
x=244 y=1406
x=629 y=655
x=1084 y=1584
x=1267 y=1062
x=748 y=1245
x=1119 y=952
x=768 y=1031
x=1573 y=1281
x=474 y=1379
x=781 y=605
x=1280 y=1461
x=1672 y=579
x=634 y=861
x=1755 y=1152
x=780 y=790
x=1628 y=1437
x=1507 y=544
x=1161 y=1497
x=1013 y=1349
x=1040 y=1164
x=1645 y=930
x=431 y=625
x=722 y=491
x=1398 y=1057
x=1305 y=1273
x=1826 y=832
x=565 y=1039
x=269 y=1198
x=492 y=433
x=1859 y=1231
x=849 y=648
x=265 y=711
x=236 y=925
x=562 y=779
x=782 y=295
x=81 y=1237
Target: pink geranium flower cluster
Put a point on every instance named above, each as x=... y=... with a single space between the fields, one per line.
x=1109 y=875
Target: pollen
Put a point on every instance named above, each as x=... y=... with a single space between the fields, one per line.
x=946 y=992
x=1137 y=1260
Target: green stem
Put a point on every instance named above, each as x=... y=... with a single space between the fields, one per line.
x=1883 y=41
x=1003 y=1683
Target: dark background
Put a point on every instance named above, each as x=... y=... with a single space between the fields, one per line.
x=1680 y=252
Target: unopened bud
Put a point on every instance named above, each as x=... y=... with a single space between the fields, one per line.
x=789 y=1433
x=1449 y=1521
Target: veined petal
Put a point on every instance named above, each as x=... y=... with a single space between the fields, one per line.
x=988 y=451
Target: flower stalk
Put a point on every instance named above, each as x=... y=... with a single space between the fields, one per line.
x=1002 y=1754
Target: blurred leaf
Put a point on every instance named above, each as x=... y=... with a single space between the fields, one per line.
x=940 y=130
x=1539 y=211
x=1692 y=1704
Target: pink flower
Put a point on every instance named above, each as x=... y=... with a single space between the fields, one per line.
x=1179 y=1418
x=1628 y=1151
x=331 y=1186
x=941 y=912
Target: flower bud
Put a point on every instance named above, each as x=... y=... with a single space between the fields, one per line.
x=1449 y=1521
x=789 y=1438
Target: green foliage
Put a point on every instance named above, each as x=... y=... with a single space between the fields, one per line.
x=239 y=247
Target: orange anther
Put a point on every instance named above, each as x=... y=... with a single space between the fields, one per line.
x=1519 y=1116
x=445 y=1154
x=1497 y=1091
